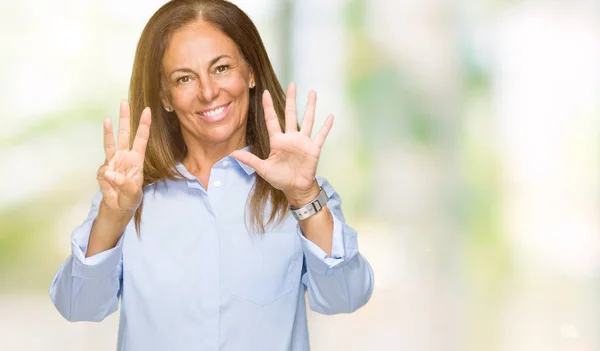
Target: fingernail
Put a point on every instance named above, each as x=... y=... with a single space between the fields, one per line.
x=110 y=175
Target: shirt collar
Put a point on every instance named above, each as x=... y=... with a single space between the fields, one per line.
x=249 y=170
x=181 y=168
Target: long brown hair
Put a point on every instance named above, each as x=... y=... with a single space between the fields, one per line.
x=166 y=146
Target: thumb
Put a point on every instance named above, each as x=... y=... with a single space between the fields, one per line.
x=123 y=183
x=249 y=159
x=114 y=177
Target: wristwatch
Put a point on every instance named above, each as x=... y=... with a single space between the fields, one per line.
x=303 y=212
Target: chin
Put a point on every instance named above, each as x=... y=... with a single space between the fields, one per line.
x=222 y=134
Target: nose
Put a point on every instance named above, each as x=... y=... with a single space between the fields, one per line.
x=208 y=90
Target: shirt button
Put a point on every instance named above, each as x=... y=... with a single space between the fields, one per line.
x=225 y=163
x=217 y=183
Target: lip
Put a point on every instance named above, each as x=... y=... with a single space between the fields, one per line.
x=215 y=118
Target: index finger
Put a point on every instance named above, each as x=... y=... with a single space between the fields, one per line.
x=273 y=126
x=123 y=136
x=143 y=132
x=109 y=140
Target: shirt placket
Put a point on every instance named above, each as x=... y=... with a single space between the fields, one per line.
x=210 y=259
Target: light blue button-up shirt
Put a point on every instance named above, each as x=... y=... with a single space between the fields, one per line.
x=196 y=279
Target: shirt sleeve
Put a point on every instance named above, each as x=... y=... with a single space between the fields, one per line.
x=88 y=288
x=342 y=282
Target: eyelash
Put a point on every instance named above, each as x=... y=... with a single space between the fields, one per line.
x=217 y=70
x=226 y=67
x=180 y=80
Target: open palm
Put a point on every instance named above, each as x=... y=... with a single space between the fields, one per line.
x=292 y=163
x=121 y=176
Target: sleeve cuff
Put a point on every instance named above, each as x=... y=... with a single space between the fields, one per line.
x=317 y=259
x=98 y=265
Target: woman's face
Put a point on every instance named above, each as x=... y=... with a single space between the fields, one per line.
x=207 y=85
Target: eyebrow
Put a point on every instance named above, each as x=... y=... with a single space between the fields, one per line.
x=212 y=62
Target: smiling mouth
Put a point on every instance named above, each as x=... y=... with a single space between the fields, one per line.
x=214 y=112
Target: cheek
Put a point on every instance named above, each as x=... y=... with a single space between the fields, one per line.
x=242 y=98
x=182 y=98
x=235 y=85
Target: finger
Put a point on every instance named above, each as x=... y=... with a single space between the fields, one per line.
x=120 y=182
x=123 y=136
x=109 y=139
x=143 y=132
x=100 y=174
x=273 y=126
x=114 y=178
x=320 y=138
x=309 y=115
x=249 y=159
x=105 y=186
x=291 y=118
x=129 y=187
x=126 y=186
x=101 y=170
x=117 y=177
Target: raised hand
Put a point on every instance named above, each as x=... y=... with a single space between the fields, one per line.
x=121 y=176
x=292 y=164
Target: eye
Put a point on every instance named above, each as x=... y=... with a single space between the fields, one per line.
x=184 y=79
x=222 y=69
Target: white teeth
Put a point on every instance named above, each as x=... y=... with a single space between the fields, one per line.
x=214 y=112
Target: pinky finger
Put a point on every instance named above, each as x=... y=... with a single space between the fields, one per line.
x=320 y=138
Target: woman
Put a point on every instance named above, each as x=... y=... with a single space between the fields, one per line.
x=210 y=223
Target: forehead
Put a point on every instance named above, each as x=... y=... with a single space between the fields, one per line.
x=198 y=43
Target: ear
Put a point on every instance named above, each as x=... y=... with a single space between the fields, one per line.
x=165 y=101
x=251 y=81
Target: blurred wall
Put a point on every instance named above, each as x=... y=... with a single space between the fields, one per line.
x=465 y=147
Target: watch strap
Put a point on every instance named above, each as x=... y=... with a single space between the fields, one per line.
x=303 y=212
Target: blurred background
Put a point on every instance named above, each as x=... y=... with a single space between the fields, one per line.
x=465 y=148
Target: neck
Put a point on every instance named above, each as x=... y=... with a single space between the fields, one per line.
x=201 y=156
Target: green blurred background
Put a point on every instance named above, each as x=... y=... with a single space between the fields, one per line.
x=465 y=148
